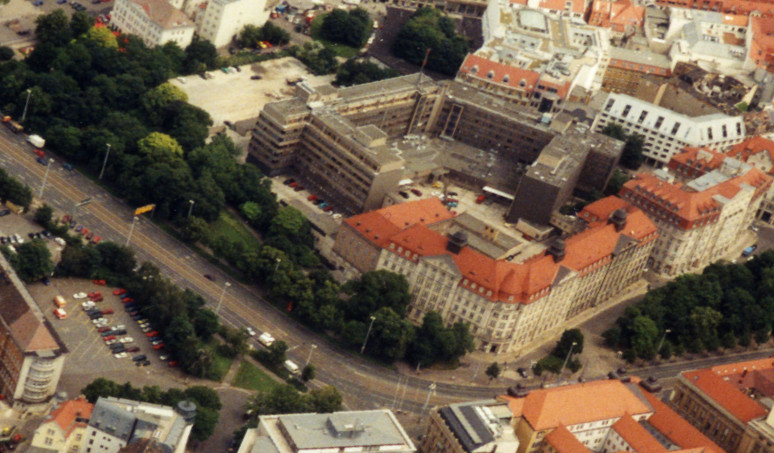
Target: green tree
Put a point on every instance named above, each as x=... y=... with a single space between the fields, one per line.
x=308 y=373
x=283 y=399
x=103 y=37
x=276 y=352
x=346 y=27
x=206 y=324
x=390 y=336
x=43 y=215
x=355 y=72
x=493 y=370
x=66 y=140
x=645 y=337
x=428 y=30
x=617 y=180
x=100 y=387
x=80 y=23
x=571 y=340
x=325 y=400
x=6 y=53
x=374 y=290
x=200 y=55
x=160 y=148
x=53 y=29
x=116 y=258
x=32 y=261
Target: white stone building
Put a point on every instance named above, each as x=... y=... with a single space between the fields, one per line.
x=155 y=21
x=223 y=19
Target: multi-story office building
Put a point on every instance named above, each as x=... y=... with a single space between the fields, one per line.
x=700 y=219
x=507 y=301
x=31 y=353
x=156 y=22
x=64 y=429
x=597 y=416
x=224 y=19
x=374 y=430
x=627 y=68
x=730 y=404
x=665 y=132
x=116 y=423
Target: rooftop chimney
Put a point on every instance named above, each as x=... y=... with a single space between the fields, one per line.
x=456 y=242
x=618 y=218
x=557 y=250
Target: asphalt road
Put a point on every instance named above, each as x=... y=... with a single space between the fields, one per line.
x=363 y=384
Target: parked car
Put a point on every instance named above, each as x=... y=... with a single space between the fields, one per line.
x=109 y=337
x=103 y=329
x=94 y=295
x=140 y=357
x=209 y=277
x=42 y=161
x=108 y=311
x=133 y=349
x=152 y=334
x=4 y=212
x=126 y=340
x=403 y=194
x=416 y=192
x=119 y=291
x=100 y=282
x=158 y=346
x=121 y=355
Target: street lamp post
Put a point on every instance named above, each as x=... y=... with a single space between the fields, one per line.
x=309 y=357
x=26 y=104
x=131 y=230
x=566 y=359
x=279 y=260
x=429 y=392
x=104 y=162
x=222 y=294
x=45 y=177
x=365 y=341
x=190 y=207
x=661 y=342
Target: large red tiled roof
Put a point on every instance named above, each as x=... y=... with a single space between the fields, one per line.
x=677 y=429
x=616 y=14
x=68 y=412
x=480 y=67
x=564 y=441
x=636 y=436
x=395 y=228
x=726 y=385
x=578 y=6
x=753 y=147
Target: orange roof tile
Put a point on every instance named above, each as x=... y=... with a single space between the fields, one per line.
x=480 y=67
x=636 y=436
x=677 y=429
x=580 y=403
x=601 y=209
x=751 y=147
x=378 y=226
x=68 y=413
x=578 y=6
x=564 y=441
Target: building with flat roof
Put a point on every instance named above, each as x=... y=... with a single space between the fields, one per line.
x=627 y=67
x=116 y=423
x=221 y=20
x=510 y=299
x=732 y=404
x=665 y=132
x=64 y=429
x=31 y=353
x=700 y=218
x=156 y=22
x=371 y=430
x=596 y=416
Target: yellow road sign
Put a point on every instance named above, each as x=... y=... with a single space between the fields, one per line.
x=144 y=209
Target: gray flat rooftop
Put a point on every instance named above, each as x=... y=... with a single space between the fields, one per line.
x=343 y=430
x=388 y=86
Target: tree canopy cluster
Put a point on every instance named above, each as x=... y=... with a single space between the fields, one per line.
x=251 y=35
x=429 y=29
x=354 y=72
x=179 y=314
x=726 y=305
x=631 y=157
x=347 y=27
x=13 y=190
x=319 y=58
x=570 y=343
x=207 y=402
x=32 y=260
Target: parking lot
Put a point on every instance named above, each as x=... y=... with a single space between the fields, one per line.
x=89 y=356
x=235 y=96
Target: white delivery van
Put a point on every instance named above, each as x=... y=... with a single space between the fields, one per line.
x=292 y=367
x=36 y=140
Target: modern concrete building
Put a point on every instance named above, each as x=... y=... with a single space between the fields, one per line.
x=222 y=20
x=64 y=429
x=116 y=423
x=507 y=301
x=597 y=416
x=732 y=404
x=31 y=353
x=372 y=430
x=156 y=22
x=665 y=132
x=698 y=219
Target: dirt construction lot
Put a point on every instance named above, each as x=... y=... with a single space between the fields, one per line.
x=236 y=97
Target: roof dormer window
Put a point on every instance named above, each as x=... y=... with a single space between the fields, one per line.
x=490 y=75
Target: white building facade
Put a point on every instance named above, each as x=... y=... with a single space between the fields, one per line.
x=223 y=19
x=156 y=22
x=666 y=132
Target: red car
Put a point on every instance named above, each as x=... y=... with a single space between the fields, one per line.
x=298 y=188
x=312 y=197
x=96 y=239
x=152 y=333
x=100 y=282
x=127 y=300
x=119 y=291
x=39 y=152
x=66 y=219
x=109 y=337
x=328 y=208
x=98 y=298
x=293 y=184
x=158 y=346
x=172 y=364
x=416 y=192
x=103 y=329
x=94 y=294
x=480 y=199
x=133 y=349
x=85 y=232
x=108 y=311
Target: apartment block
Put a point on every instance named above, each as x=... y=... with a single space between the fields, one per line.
x=506 y=301
x=699 y=219
x=373 y=430
x=117 y=423
x=224 y=19
x=756 y=151
x=596 y=416
x=665 y=132
x=64 y=429
x=731 y=404
x=622 y=17
x=156 y=22
x=31 y=353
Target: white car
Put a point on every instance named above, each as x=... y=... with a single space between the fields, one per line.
x=120 y=327
x=146 y=329
x=163 y=357
x=109 y=342
x=121 y=355
x=100 y=322
x=250 y=331
x=266 y=339
x=80 y=296
x=126 y=340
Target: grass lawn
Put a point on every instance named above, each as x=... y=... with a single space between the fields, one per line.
x=340 y=50
x=220 y=364
x=232 y=229
x=251 y=377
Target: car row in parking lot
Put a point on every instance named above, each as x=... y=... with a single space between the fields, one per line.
x=88 y=235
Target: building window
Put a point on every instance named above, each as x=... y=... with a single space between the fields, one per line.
x=626 y=110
